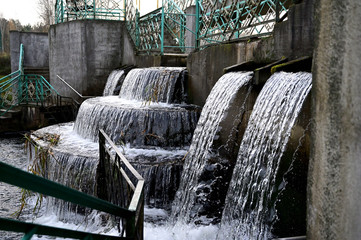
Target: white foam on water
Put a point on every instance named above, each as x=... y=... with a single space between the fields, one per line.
x=71 y=142
x=179 y=232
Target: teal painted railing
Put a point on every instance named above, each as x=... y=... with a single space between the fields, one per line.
x=69 y=10
x=162 y=30
x=132 y=214
x=229 y=20
x=9 y=86
x=212 y=22
x=119 y=178
x=18 y=88
x=173 y=29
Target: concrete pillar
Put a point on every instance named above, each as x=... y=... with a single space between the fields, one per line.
x=14 y=50
x=36 y=49
x=334 y=181
x=190 y=38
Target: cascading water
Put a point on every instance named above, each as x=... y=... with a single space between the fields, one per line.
x=154 y=84
x=142 y=114
x=193 y=192
x=143 y=122
x=114 y=82
x=135 y=123
x=248 y=211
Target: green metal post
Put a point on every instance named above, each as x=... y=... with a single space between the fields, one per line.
x=277 y=2
x=137 y=30
x=62 y=11
x=21 y=59
x=181 y=34
x=26 y=88
x=130 y=228
x=197 y=24
x=94 y=8
x=162 y=31
x=125 y=10
x=41 y=90
x=30 y=234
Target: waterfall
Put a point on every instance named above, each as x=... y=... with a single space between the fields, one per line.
x=142 y=115
x=154 y=84
x=248 y=211
x=114 y=83
x=136 y=124
x=200 y=152
x=77 y=172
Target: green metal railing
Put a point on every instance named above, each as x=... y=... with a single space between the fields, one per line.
x=228 y=20
x=9 y=86
x=69 y=10
x=162 y=30
x=168 y=28
x=121 y=184
x=132 y=213
x=18 y=88
x=214 y=21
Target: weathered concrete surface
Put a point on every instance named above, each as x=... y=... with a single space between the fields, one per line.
x=206 y=67
x=190 y=37
x=292 y=38
x=334 y=192
x=36 y=49
x=85 y=52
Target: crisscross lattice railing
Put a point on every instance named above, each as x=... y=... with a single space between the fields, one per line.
x=165 y=29
x=227 y=20
x=18 y=88
x=68 y=10
x=217 y=21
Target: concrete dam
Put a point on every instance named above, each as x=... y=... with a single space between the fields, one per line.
x=237 y=134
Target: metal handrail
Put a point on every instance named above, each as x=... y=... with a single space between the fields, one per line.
x=18 y=88
x=21 y=59
x=89 y=9
x=20 y=178
x=73 y=89
x=133 y=214
x=215 y=22
x=136 y=204
x=30 y=229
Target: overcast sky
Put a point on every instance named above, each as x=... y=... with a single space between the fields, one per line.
x=27 y=10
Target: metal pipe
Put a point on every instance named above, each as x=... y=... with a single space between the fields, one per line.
x=77 y=93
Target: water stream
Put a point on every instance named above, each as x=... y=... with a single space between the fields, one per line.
x=114 y=82
x=157 y=84
x=154 y=129
x=193 y=192
x=249 y=209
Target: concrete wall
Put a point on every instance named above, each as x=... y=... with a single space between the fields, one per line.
x=292 y=38
x=334 y=187
x=36 y=49
x=85 y=52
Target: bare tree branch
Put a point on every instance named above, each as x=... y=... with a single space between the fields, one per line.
x=47 y=11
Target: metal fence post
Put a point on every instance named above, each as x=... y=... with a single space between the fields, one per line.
x=125 y=9
x=137 y=29
x=277 y=2
x=101 y=191
x=62 y=11
x=197 y=24
x=162 y=31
